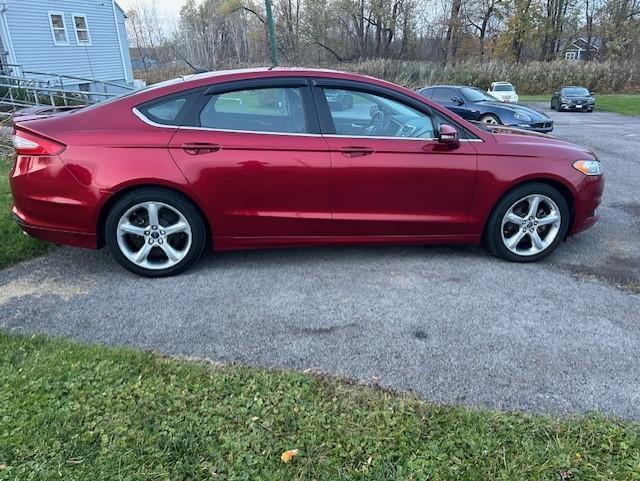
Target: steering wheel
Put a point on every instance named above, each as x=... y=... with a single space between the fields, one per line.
x=376 y=122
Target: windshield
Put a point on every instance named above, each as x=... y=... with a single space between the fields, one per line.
x=575 y=91
x=503 y=88
x=473 y=94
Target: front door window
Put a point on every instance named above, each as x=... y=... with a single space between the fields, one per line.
x=363 y=114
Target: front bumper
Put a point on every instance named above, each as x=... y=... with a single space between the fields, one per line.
x=541 y=127
x=582 y=107
x=587 y=201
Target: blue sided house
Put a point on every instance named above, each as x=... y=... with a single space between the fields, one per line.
x=74 y=45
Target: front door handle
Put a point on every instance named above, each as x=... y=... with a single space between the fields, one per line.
x=195 y=148
x=356 y=151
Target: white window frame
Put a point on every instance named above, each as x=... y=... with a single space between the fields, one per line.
x=571 y=55
x=75 y=30
x=53 y=30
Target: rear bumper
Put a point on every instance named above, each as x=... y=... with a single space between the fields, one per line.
x=56 y=236
x=50 y=204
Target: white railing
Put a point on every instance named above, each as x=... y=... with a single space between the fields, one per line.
x=20 y=88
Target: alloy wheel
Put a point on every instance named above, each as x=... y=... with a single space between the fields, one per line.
x=154 y=235
x=490 y=120
x=531 y=225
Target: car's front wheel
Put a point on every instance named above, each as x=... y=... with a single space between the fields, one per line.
x=154 y=232
x=490 y=119
x=528 y=223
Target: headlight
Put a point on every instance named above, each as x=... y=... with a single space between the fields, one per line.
x=521 y=116
x=564 y=100
x=588 y=167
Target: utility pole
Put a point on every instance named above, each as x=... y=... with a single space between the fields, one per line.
x=272 y=34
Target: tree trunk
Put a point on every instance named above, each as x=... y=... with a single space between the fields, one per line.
x=453 y=28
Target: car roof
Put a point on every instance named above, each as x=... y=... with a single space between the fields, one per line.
x=268 y=71
x=449 y=86
x=501 y=83
x=205 y=78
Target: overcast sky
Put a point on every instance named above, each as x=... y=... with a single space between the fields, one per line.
x=168 y=10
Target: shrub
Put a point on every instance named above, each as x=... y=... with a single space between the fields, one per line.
x=531 y=78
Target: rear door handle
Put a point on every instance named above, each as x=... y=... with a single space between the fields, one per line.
x=356 y=151
x=195 y=148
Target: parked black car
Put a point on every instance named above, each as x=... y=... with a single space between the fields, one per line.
x=573 y=98
x=476 y=105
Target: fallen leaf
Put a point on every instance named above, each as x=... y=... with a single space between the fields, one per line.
x=287 y=456
x=3 y=466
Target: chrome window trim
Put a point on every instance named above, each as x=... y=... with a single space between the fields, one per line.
x=147 y=121
x=339 y=136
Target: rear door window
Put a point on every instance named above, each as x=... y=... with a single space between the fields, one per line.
x=268 y=110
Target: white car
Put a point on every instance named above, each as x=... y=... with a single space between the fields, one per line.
x=504 y=92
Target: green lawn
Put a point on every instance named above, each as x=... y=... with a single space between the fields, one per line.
x=625 y=104
x=75 y=412
x=14 y=245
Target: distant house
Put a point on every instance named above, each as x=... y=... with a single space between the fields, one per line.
x=579 y=49
x=82 y=43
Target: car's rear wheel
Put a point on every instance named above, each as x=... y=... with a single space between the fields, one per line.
x=154 y=232
x=528 y=223
x=490 y=119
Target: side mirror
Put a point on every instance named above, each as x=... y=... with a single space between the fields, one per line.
x=448 y=136
x=457 y=100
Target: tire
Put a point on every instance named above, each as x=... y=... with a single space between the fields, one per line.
x=164 y=247
x=490 y=119
x=502 y=230
x=551 y=106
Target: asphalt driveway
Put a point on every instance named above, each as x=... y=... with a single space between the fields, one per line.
x=451 y=324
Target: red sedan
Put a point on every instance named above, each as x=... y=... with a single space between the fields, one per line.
x=284 y=157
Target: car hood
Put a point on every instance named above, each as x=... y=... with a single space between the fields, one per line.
x=540 y=145
x=584 y=98
x=513 y=108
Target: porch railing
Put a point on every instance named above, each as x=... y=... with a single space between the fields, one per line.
x=20 y=88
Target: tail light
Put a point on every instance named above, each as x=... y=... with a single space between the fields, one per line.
x=27 y=143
